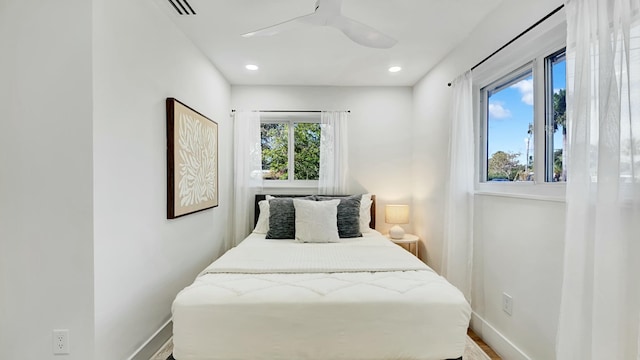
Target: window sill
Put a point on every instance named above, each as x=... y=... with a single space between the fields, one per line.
x=529 y=191
x=302 y=187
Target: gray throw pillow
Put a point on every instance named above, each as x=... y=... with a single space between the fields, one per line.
x=282 y=218
x=348 y=214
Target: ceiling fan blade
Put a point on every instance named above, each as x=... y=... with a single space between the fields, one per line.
x=281 y=27
x=363 y=34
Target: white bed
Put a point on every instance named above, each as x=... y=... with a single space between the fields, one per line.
x=358 y=299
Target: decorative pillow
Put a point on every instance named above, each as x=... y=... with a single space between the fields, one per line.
x=282 y=218
x=365 y=212
x=316 y=220
x=262 y=226
x=348 y=215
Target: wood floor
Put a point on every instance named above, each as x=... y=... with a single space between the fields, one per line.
x=492 y=354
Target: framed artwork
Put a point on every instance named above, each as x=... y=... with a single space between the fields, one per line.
x=192 y=160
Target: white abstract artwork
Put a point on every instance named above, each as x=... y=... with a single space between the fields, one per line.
x=197 y=162
x=192 y=144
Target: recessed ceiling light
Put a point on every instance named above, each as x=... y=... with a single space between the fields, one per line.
x=395 y=69
x=252 y=67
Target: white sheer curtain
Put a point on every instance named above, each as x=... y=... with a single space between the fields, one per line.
x=600 y=308
x=458 y=225
x=247 y=174
x=333 y=153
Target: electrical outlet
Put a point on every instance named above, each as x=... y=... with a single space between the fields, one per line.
x=507 y=303
x=60 y=341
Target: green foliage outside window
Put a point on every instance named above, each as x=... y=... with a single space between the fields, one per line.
x=504 y=166
x=307 y=151
x=560 y=121
x=275 y=151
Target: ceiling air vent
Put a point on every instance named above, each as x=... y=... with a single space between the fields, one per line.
x=182 y=7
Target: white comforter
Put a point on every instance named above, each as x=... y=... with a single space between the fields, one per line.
x=372 y=253
x=358 y=299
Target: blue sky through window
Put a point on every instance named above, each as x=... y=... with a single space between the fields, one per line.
x=510 y=113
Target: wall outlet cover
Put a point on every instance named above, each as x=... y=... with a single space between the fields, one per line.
x=60 y=341
x=507 y=304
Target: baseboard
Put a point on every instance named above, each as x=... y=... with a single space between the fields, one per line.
x=498 y=342
x=155 y=342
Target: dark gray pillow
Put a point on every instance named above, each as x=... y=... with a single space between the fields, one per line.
x=282 y=218
x=348 y=214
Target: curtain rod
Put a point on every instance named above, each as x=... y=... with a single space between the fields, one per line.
x=517 y=37
x=289 y=111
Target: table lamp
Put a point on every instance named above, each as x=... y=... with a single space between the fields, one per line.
x=396 y=214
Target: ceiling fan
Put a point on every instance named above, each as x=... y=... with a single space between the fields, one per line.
x=328 y=13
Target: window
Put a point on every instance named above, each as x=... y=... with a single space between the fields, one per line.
x=287 y=144
x=520 y=107
x=522 y=129
x=509 y=137
x=556 y=131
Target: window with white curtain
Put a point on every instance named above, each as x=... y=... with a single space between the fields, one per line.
x=509 y=120
x=521 y=105
x=290 y=149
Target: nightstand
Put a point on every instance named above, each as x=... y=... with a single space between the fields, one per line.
x=410 y=240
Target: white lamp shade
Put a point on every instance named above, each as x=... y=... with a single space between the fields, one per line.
x=396 y=214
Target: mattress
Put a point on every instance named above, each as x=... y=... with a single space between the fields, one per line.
x=358 y=299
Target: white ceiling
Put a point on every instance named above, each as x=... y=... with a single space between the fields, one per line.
x=426 y=31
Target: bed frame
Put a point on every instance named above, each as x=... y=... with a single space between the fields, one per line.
x=260 y=197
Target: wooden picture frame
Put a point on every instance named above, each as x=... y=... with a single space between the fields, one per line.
x=192 y=160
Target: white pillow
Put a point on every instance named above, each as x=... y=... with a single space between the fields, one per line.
x=262 y=226
x=316 y=221
x=365 y=212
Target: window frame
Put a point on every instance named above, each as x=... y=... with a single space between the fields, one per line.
x=485 y=92
x=549 y=133
x=532 y=49
x=290 y=119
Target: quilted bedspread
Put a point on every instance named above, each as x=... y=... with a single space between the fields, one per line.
x=363 y=299
x=373 y=254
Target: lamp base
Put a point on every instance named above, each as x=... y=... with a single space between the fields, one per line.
x=396 y=232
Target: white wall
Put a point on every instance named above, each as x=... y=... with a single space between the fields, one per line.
x=46 y=216
x=379 y=132
x=519 y=242
x=519 y=251
x=142 y=259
